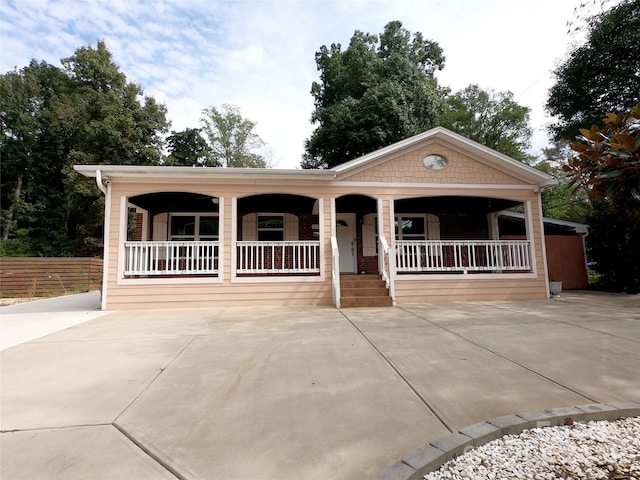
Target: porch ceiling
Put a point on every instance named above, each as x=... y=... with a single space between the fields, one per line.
x=276 y=203
x=174 y=202
x=453 y=205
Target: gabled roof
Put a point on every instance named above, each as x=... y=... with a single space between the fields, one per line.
x=473 y=149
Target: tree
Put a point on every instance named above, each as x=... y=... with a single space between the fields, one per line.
x=600 y=76
x=563 y=201
x=52 y=118
x=491 y=118
x=187 y=148
x=33 y=146
x=114 y=127
x=232 y=139
x=607 y=161
x=612 y=244
x=379 y=90
x=607 y=164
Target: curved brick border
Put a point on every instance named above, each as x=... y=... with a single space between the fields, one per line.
x=433 y=455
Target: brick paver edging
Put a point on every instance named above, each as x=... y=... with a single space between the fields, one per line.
x=433 y=455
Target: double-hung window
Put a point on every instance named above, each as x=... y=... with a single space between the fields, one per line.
x=411 y=227
x=193 y=227
x=270 y=227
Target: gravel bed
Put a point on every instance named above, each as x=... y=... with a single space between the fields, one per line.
x=589 y=451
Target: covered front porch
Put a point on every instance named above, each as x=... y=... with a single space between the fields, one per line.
x=279 y=236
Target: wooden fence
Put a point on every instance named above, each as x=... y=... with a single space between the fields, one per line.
x=41 y=277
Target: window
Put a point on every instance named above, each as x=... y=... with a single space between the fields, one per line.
x=411 y=227
x=193 y=227
x=270 y=227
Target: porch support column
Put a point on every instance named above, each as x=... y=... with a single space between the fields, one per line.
x=123 y=218
x=222 y=240
x=332 y=217
x=387 y=229
x=107 y=246
x=234 y=238
x=529 y=228
x=494 y=231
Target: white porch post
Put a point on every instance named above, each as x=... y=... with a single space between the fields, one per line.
x=528 y=210
x=380 y=217
x=106 y=247
x=321 y=237
x=221 y=238
x=333 y=217
x=494 y=231
x=234 y=238
x=122 y=235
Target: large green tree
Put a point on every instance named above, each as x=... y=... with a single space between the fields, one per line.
x=491 y=118
x=187 y=148
x=379 y=90
x=52 y=118
x=232 y=139
x=601 y=75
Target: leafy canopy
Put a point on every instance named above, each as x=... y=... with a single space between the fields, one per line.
x=232 y=138
x=51 y=118
x=491 y=118
x=187 y=148
x=379 y=90
x=601 y=76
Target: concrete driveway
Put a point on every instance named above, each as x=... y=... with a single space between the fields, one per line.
x=299 y=393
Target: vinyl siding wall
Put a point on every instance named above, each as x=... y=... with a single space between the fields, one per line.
x=382 y=182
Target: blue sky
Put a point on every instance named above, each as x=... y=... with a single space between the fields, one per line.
x=259 y=54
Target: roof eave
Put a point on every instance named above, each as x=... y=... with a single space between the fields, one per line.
x=161 y=172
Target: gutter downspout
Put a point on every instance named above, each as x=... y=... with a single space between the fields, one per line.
x=105 y=249
x=99 y=182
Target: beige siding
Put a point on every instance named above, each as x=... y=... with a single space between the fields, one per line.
x=468 y=288
x=227 y=292
x=408 y=168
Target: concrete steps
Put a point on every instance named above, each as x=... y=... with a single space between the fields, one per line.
x=363 y=291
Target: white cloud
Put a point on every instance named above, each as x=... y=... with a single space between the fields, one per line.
x=259 y=55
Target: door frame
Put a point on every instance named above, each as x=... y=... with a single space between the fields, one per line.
x=350 y=219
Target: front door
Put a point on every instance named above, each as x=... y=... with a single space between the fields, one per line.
x=346 y=237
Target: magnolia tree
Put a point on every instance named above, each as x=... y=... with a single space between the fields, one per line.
x=607 y=161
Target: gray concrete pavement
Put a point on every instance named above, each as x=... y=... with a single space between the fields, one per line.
x=27 y=321
x=299 y=393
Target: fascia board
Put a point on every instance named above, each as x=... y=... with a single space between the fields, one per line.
x=129 y=172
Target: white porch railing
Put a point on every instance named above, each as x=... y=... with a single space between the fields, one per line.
x=335 y=271
x=463 y=255
x=291 y=257
x=171 y=258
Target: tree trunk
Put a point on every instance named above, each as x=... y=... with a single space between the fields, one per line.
x=16 y=199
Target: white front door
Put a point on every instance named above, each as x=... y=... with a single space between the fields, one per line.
x=346 y=236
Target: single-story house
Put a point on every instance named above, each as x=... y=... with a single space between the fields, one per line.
x=416 y=221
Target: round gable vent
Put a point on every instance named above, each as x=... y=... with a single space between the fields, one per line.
x=435 y=162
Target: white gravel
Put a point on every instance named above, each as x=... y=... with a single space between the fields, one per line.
x=590 y=451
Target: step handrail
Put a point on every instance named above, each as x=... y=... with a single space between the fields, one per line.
x=387 y=268
x=335 y=271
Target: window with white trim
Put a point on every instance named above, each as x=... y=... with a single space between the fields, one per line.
x=194 y=226
x=411 y=227
x=270 y=227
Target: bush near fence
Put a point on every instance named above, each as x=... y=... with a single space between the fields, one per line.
x=42 y=277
